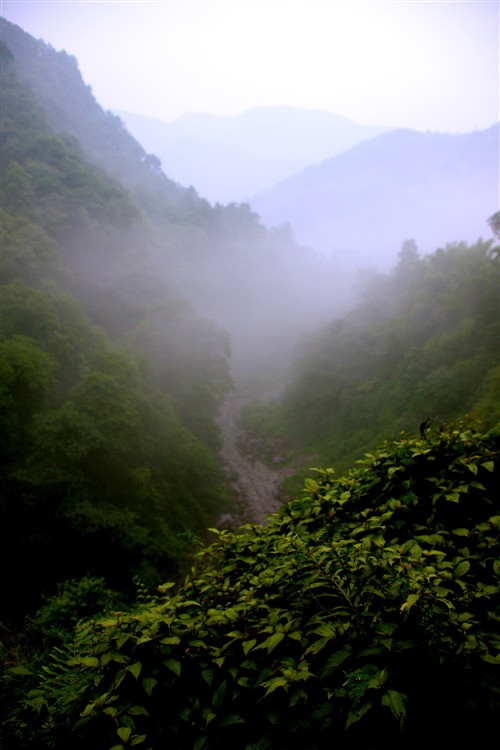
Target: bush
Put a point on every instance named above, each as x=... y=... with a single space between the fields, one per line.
x=365 y=614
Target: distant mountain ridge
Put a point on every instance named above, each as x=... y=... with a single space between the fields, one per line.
x=229 y=158
x=434 y=188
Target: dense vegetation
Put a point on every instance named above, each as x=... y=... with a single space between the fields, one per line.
x=365 y=601
x=422 y=345
x=109 y=384
x=365 y=614
x=110 y=378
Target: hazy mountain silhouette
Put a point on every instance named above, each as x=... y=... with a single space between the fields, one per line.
x=229 y=158
x=435 y=188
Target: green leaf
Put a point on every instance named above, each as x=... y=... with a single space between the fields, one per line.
x=271 y=642
x=174 y=666
x=208 y=675
x=197 y=643
x=311 y=484
x=358 y=714
x=317 y=646
x=138 y=739
x=135 y=669
x=326 y=630
x=88 y=661
x=148 y=684
x=396 y=703
x=273 y=684
x=462 y=568
x=231 y=719
x=219 y=695
x=19 y=670
x=171 y=640
x=377 y=681
x=248 y=645
x=491 y=659
x=124 y=733
x=412 y=599
x=138 y=710
x=208 y=716
x=200 y=742
x=335 y=661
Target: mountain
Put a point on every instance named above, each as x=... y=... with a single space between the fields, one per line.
x=257 y=285
x=434 y=188
x=70 y=109
x=229 y=158
x=109 y=383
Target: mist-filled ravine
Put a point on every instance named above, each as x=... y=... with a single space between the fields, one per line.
x=172 y=369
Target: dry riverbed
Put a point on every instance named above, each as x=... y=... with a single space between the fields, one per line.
x=256 y=484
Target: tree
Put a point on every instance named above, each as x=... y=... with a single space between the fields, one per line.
x=494 y=222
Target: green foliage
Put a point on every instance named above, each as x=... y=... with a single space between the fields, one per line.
x=188 y=358
x=108 y=468
x=365 y=614
x=422 y=345
x=25 y=380
x=75 y=600
x=263 y=419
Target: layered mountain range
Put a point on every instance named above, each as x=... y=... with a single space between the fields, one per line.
x=230 y=158
x=434 y=188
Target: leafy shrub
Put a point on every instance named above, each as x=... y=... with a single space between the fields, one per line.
x=75 y=600
x=365 y=614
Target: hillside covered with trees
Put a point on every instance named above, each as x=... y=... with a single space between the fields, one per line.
x=103 y=449
x=422 y=346
x=366 y=611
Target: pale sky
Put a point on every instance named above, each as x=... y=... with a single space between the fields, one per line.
x=425 y=65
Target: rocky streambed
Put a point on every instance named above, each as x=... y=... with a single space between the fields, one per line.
x=256 y=484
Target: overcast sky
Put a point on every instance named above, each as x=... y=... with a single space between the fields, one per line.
x=426 y=65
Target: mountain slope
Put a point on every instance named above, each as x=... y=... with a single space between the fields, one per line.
x=229 y=158
x=104 y=464
x=257 y=285
x=70 y=108
x=434 y=188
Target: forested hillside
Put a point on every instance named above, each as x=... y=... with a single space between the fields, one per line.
x=105 y=466
x=421 y=347
x=366 y=611
x=257 y=285
x=113 y=369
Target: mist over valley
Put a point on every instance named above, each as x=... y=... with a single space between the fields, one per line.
x=193 y=314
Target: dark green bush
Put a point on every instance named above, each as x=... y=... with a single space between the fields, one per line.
x=365 y=614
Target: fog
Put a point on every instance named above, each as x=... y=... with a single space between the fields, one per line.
x=429 y=66
x=259 y=286
x=335 y=198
